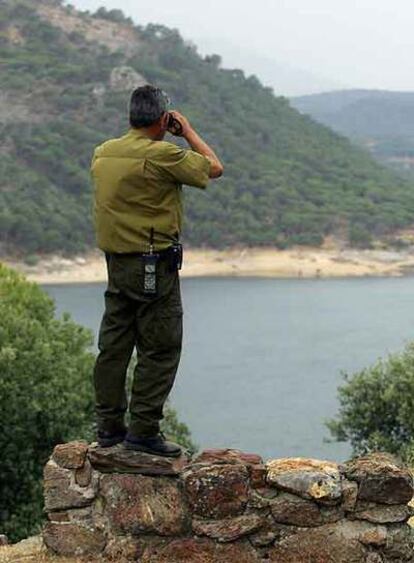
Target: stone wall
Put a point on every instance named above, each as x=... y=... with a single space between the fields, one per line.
x=226 y=506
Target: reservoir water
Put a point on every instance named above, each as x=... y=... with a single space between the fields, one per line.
x=262 y=358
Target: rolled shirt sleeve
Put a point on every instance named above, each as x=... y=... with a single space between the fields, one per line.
x=185 y=166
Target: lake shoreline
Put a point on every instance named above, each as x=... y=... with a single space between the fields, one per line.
x=299 y=262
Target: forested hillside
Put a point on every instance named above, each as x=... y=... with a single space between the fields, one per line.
x=65 y=87
x=380 y=120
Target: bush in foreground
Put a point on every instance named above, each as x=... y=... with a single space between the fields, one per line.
x=46 y=395
x=377 y=407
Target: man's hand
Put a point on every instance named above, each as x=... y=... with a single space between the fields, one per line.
x=198 y=145
x=183 y=121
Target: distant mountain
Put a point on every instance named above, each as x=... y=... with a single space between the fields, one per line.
x=64 y=88
x=380 y=120
x=285 y=79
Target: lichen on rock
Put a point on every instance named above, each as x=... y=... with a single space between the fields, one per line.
x=226 y=506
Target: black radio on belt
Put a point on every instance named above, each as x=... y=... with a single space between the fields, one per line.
x=150 y=263
x=173 y=255
x=150 y=273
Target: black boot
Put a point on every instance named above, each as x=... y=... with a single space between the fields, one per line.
x=107 y=439
x=155 y=445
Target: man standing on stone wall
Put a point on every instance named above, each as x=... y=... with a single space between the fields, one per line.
x=138 y=182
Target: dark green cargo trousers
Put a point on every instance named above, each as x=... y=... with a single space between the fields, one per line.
x=151 y=324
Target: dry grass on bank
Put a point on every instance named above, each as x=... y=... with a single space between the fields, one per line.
x=326 y=262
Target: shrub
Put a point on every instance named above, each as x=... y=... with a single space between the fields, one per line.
x=377 y=407
x=46 y=395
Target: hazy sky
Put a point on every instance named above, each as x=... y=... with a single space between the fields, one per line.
x=297 y=45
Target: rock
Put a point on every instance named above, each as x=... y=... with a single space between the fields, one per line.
x=119 y=460
x=330 y=543
x=258 y=475
x=400 y=543
x=381 y=478
x=266 y=534
x=73 y=539
x=227 y=456
x=30 y=550
x=62 y=492
x=115 y=37
x=284 y=531
x=291 y=509
x=349 y=494
x=308 y=478
x=80 y=259
x=58 y=517
x=120 y=549
x=261 y=498
x=229 y=529
x=76 y=515
x=192 y=550
x=380 y=513
x=226 y=507
x=83 y=475
x=125 y=78
x=217 y=491
x=71 y=455
x=262 y=539
x=4 y=540
x=138 y=503
x=331 y=513
x=374 y=536
x=374 y=558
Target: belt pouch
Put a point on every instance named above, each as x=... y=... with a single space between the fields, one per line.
x=176 y=257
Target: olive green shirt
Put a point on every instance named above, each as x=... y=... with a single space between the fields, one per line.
x=138 y=187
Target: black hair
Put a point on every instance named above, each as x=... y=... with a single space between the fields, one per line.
x=147 y=105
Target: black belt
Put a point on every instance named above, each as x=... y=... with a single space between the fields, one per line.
x=163 y=254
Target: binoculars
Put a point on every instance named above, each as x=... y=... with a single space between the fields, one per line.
x=174 y=126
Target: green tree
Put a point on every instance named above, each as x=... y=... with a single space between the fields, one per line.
x=46 y=396
x=377 y=407
x=359 y=237
x=176 y=430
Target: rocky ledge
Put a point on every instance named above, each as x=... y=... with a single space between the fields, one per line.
x=226 y=506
